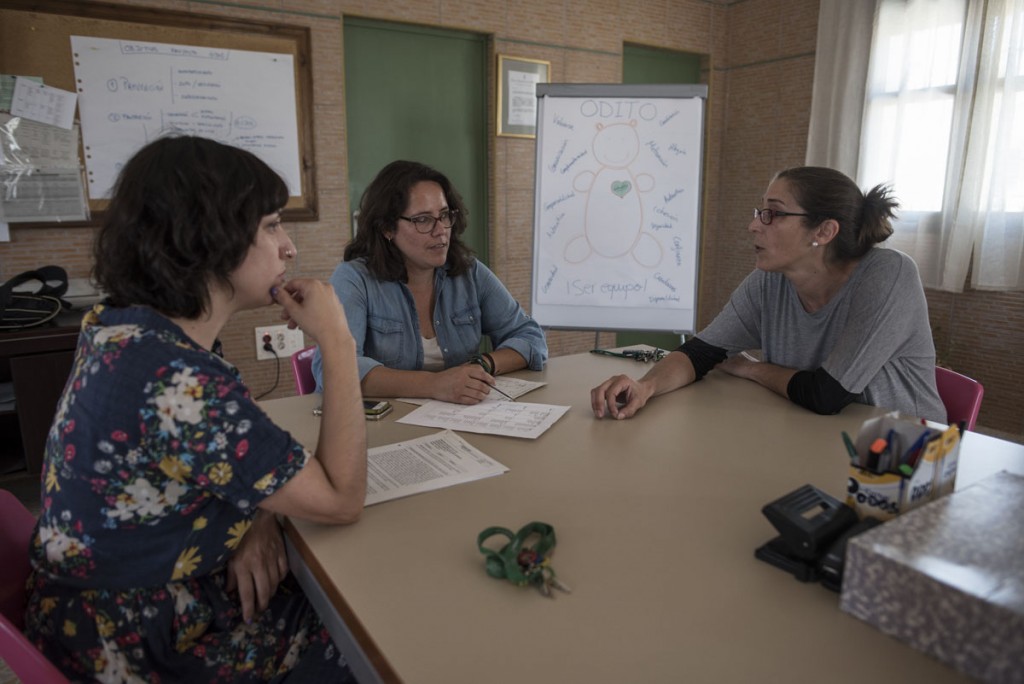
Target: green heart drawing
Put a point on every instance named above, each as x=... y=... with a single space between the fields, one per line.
x=621 y=188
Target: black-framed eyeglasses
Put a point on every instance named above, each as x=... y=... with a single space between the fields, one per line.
x=766 y=216
x=424 y=223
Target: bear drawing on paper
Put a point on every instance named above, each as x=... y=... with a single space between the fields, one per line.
x=614 y=217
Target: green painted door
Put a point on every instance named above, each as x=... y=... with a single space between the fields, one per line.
x=418 y=93
x=649 y=65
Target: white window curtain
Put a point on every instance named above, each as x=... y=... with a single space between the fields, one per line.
x=840 y=77
x=945 y=88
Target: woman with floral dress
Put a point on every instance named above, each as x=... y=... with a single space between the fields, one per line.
x=158 y=556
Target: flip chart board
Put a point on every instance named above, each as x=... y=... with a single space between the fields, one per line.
x=617 y=216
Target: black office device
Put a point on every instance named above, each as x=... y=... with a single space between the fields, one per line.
x=832 y=564
x=808 y=521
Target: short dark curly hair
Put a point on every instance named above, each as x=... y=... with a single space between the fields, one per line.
x=184 y=214
x=384 y=200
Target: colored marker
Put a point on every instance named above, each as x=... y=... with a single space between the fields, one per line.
x=851 y=449
x=912 y=454
x=878 y=448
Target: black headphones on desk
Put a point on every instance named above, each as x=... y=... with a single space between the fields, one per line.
x=20 y=310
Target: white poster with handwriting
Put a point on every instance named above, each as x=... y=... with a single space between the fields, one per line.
x=131 y=92
x=616 y=225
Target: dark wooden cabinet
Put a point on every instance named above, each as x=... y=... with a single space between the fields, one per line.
x=37 y=361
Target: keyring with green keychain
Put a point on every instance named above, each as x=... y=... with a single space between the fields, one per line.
x=521 y=563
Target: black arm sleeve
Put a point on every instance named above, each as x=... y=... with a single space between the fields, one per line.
x=702 y=355
x=818 y=391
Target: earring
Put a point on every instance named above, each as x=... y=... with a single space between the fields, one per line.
x=814 y=244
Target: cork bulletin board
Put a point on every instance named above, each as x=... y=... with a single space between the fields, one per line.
x=36 y=40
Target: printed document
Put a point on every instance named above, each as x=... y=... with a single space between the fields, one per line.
x=507 y=418
x=424 y=464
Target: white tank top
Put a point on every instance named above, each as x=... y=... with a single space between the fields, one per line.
x=432 y=358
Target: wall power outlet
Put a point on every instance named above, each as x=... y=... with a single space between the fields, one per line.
x=284 y=341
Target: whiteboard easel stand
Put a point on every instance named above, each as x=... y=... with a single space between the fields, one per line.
x=663 y=174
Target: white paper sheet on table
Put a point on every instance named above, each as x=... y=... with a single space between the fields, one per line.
x=507 y=418
x=424 y=464
x=513 y=387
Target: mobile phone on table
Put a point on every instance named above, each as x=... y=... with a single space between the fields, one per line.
x=375 y=410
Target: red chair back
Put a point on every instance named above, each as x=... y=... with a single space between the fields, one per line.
x=302 y=368
x=24 y=659
x=17 y=652
x=961 y=396
x=16 y=525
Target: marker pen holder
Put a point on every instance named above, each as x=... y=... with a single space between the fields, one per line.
x=900 y=464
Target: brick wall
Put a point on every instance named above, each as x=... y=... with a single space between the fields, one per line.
x=759 y=57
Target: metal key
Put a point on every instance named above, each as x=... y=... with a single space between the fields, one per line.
x=559 y=585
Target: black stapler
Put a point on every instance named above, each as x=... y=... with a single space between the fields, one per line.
x=809 y=522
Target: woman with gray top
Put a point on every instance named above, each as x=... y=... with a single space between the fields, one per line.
x=836 y=319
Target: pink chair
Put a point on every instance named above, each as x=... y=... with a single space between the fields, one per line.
x=302 y=368
x=16 y=525
x=960 y=395
x=24 y=659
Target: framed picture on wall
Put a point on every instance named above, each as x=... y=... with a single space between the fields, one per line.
x=517 y=94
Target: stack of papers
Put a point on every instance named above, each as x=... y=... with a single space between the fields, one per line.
x=444 y=458
x=421 y=465
x=507 y=418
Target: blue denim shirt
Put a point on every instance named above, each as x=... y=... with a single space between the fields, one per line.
x=382 y=317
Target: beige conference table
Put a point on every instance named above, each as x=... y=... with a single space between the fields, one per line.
x=657 y=519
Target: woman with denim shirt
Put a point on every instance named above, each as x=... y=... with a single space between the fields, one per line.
x=418 y=302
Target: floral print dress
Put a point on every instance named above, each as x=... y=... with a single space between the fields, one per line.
x=155 y=464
